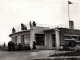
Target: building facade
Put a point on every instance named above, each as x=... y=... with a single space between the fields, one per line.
x=45 y=37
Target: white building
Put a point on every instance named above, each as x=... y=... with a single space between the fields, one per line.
x=45 y=37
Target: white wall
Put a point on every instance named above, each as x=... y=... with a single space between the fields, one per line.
x=36 y=30
x=48 y=37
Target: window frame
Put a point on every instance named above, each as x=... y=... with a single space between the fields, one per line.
x=44 y=39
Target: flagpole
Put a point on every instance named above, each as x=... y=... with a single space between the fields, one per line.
x=68 y=11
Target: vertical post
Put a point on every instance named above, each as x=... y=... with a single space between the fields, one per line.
x=15 y=39
x=32 y=37
x=22 y=39
x=57 y=38
x=68 y=10
x=50 y=41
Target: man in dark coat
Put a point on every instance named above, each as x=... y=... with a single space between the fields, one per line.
x=22 y=26
x=13 y=46
x=9 y=46
x=20 y=47
x=34 y=45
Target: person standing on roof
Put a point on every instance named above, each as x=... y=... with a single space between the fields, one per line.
x=34 y=24
x=30 y=24
x=13 y=30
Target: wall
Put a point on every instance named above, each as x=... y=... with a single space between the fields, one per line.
x=69 y=32
x=48 y=37
x=37 y=30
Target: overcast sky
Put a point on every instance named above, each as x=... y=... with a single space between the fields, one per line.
x=50 y=12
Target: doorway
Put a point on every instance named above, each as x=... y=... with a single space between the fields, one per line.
x=53 y=40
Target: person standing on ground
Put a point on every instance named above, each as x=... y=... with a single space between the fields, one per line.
x=13 y=46
x=9 y=46
x=20 y=47
x=4 y=46
x=34 y=45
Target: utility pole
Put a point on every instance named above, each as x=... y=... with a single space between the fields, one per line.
x=68 y=11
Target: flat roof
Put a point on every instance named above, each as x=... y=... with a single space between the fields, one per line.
x=68 y=28
x=52 y=29
x=19 y=32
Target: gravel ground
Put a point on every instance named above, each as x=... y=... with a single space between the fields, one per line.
x=27 y=55
x=61 y=59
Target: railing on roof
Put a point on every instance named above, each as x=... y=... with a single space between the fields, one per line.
x=44 y=25
x=28 y=27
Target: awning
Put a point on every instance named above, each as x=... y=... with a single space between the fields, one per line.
x=49 y=30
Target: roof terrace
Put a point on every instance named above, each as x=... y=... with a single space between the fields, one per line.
x=18 y=29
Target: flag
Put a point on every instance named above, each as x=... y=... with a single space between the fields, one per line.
x=70 y=2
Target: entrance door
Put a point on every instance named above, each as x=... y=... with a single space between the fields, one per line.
x=53 y=40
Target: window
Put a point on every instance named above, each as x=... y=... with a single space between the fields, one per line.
x=40 y=39
x=18 y=40
x=70 y=37
x=67 y=37
x=74 y=37
x=26 y=39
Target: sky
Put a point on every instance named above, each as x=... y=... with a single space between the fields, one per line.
x=49 y=12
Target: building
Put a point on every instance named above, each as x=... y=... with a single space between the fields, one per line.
x=45 y=37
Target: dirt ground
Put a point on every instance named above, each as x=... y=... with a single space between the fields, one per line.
x=27 y=55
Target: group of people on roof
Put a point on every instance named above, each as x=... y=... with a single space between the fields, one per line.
x=32 y=24
x=23 y=26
